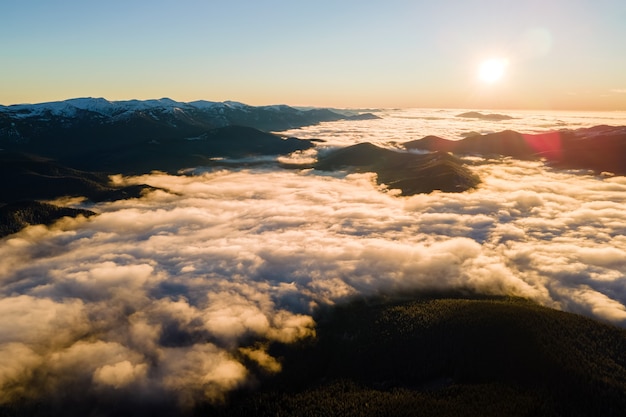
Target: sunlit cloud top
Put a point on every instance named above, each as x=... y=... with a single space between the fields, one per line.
x=160 y=297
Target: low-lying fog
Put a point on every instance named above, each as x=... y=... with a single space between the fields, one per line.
x=162 y=297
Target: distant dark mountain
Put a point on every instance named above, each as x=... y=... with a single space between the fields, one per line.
x=411 y=173
x=27 y=177
x=467 y=356
x=601 y=148
x=135 y=136
x=67 y=127
x=172 y=155
x=508 y=142
x=484 y=116
x=363 y=116
x=16 y=216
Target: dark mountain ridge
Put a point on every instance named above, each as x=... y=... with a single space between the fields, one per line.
x=71 y=123
x=29 y=177
x=600 y=148
x=409 y=172
x=16 y=216
x=172 y=155
x=439 y=355
x=446 y=355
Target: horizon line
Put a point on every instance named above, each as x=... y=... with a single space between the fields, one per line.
x=314 y=106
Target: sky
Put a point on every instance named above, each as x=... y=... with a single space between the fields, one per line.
x=559 y=55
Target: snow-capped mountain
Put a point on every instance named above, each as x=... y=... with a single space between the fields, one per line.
x=83 y=132
x=73 y=127
x=202 y=112
x=100 y=106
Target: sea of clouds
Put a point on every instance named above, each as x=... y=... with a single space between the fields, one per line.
x=167 y=299
x=396 y=126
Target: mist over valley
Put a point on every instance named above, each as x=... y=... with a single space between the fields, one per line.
x=164 y=258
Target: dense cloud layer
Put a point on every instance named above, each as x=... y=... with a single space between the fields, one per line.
x=398 y=126
x=172 y=296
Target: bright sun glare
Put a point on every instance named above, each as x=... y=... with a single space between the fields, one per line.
x=492 y=70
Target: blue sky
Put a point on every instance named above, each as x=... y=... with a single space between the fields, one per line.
x=561 y=54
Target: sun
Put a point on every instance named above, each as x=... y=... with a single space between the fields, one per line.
x=492 y=70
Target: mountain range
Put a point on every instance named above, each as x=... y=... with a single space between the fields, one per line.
x=69 y=148
x=599 y=148
x=162 y=118
x=78 y=132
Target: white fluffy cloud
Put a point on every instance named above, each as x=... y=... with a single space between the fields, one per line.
x=165 y=293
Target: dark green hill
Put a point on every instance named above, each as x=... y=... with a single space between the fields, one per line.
x=28 y=177
x=16 y=216
x=446 y=357
x=411 y=173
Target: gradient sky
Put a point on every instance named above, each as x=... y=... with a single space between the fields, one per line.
x=562 y=54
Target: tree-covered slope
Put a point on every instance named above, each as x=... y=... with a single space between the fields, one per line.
x=29 y=177
x=16 y=216
x=446 y=357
